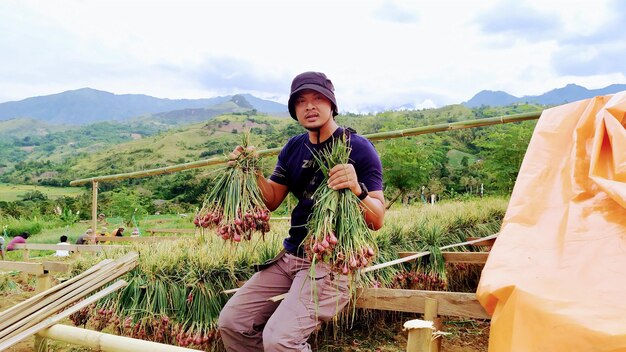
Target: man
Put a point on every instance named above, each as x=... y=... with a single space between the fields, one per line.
x=2 y=248
x=85 y=238
x=249 y=321
x=62 y=242
x=21 y=238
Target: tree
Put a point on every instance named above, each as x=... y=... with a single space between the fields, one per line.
x=126 y=204
x=408 y=164
x=503 y=149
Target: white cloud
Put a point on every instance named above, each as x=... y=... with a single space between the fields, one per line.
x=378 y=53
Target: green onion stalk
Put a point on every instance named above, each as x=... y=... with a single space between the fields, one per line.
x=234 y=206
x=337 y=232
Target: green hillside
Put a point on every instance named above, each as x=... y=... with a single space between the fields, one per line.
x=9 y=192
x=443 y=163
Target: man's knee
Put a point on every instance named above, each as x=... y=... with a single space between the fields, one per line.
x=226 y=319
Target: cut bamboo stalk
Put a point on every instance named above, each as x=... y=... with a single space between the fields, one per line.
x=267 y=152
x=58 y=317
x=39 y=301
x=14 y=309
x=77 y=293
x=420 y=335
x=99 y=341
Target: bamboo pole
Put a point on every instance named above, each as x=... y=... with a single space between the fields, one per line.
x=94 y=207
x=267 y=152
x=105 y=342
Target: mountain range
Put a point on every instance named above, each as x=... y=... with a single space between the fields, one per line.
x=85 y=106
x=567 y=94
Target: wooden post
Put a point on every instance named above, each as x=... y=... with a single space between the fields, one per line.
x=420 y=335
x=430 y=314
x=25 y=257
x=43 y=283
x=94 y=208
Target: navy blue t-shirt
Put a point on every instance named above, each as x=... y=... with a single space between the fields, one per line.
x=296 y=169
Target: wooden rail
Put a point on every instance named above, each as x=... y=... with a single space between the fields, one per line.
x=153 y=231
x=34 y=268
x=66 y=247
x=413 y=301
x=139 y=239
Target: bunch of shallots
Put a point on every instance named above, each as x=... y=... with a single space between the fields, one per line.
x=337 y=232
x=235 y=207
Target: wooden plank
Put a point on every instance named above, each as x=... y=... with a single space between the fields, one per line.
x=55 y=267
x=29 y=268
x=413 y=301
x=34 y=313
x=58 y=317
x=25 y=304
x=457 y=257
x=484 y=243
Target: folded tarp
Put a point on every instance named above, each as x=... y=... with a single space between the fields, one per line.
x=556 y=277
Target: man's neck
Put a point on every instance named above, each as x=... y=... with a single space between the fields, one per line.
x=325 y=132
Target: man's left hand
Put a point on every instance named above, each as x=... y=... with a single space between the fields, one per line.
x=344 y=176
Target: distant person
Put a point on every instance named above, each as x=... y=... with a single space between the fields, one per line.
x=102 y=220
x=21 y=238
x=119 y=232
x=135 y=233
x=2 y=247
x=62 y=253
x=104 y=232
x=85 y=238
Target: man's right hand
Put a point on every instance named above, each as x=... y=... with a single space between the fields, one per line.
x=234 y=155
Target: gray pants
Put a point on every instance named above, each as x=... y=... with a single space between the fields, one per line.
x=250 y=322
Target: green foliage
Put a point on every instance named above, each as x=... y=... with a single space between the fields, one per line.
x=68 y=218
x=34 y=196
x=15 y=226
x=127 y=204
x=503 y=150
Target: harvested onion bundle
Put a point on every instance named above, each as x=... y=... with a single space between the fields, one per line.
x=235 y=204
x=337 y=232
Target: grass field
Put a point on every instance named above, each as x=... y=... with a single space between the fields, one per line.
x=10 y=192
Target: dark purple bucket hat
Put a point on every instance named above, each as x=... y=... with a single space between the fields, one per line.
x=316 y=81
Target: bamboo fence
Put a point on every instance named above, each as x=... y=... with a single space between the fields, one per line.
x=274 y=151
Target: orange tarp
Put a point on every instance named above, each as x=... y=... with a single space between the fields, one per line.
x=556 y=277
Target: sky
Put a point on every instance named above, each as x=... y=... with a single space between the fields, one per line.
x=380 y=54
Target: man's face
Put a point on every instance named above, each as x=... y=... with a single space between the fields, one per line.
x=313 y=109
